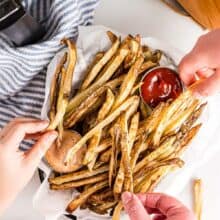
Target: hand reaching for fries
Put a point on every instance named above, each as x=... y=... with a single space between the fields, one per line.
x=203 y=63
x=17 y=167
x=163 y=207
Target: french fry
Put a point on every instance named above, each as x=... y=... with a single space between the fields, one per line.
x=74 y=184
x=100 y=64
x=146 y=66
x=133 y=130
x=55 y=88
x=150 y=181
x=75 y=176
x=165 y=149
x=114 y=153
x=106 y=75
x=157 y=164
x=84 y=107
x=198 y=198
x=184 y=100
x=125 y=150
x=79 y=200
x=64 y=91
x=128 y=82
x=106 y=107
x=144 y=110
x=94 y=142
x=101 y=125
x=174 y=125
x=112 y=37
x=117 y=211
x=134 y=46
x=137 y=149
x=100 y=197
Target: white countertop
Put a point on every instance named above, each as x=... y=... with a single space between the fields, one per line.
x=149 y=18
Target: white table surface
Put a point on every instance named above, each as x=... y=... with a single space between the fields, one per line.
x=149 y=18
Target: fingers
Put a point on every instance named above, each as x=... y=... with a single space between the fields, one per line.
x=168 y=206
x=13 y=122
x=207 y=87
x=34 y=155
x=17 y=130
x=133 y=207
x=188 y=67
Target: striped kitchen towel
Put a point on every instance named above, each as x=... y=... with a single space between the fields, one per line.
x=23 y=69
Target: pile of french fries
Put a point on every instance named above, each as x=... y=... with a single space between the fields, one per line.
x=130 y=147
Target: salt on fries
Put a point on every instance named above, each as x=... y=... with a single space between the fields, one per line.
x=128 y=146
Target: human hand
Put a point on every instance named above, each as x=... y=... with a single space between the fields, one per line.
x=203 y=63
x=17 y=167
x=163 y=207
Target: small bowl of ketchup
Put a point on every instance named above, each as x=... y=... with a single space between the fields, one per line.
x=159 y=85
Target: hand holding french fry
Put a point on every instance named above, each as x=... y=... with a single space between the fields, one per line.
x=142 y=206
x=17 y=167
x=203 y=63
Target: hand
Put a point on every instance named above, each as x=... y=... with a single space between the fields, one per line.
x=203 y=63
x=17 y=167
x=141 y=206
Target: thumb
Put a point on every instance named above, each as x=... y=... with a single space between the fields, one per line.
x=134 y=207
x=35 y=154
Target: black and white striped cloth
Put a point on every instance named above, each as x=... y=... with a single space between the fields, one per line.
x=23 y=69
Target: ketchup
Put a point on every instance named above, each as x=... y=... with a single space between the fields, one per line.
x=160 y=85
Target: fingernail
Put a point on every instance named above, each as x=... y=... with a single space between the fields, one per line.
x=126 y=197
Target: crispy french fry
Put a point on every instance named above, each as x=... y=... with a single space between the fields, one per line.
x=125 y=150
x=106 y=75
x=64 y=92
x=192 y=119
x=74 y=184
x=84 y=107
x=157 y=164
x=146 y=66
x=100 y=64
x=151 y=123
x=106 y=107
x=176 y=123
x=165 y=149
x=133 y=129
x=198 y=198
x=148 y=182
x=134 y=49
x=114 y=153
x=136 y=88
x=144 y=110
x=99 y=198
x=128 y=83
x=112 y=37
x=137 y=149
x=117 y=211
x=101 y=125
x=94 y=142
x=184 y=100
x=75 y=176
x=79 y=200
x=55 y=88
x=187 y=138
